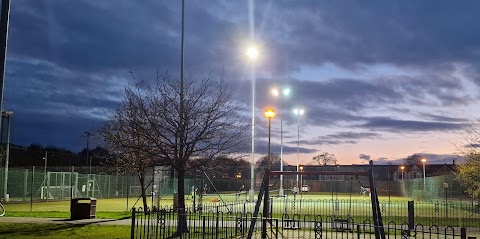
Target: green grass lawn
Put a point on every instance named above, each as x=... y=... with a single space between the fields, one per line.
x=106 y=208
x=62 y=231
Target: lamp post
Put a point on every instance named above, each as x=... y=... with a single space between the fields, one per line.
x=252 y=54
x=269 y=113
x=298 y=113
x=284 y=93
x=301 y=179
x=402 y=168
x=423 y=162
x=6 y=114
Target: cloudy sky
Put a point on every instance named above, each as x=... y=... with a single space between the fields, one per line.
x=377 y=79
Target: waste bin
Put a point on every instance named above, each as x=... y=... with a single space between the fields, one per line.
x=83 y=208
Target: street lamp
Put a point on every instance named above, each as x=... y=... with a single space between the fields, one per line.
x=284 y=93
x=424 y=160
x=6 y=114
x=402 y=168
x=269 y=113
x=252 y=54
x=298 y=113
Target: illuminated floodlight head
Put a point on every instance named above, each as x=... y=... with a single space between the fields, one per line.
x=252 y=52
x=275 y=92
x=424 y=160
x=298 y=111
x=286 y=91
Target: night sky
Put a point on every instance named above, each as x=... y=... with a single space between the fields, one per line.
x=378 y=80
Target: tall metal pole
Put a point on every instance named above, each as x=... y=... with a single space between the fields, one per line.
x=182 y=59
x=251 y=19
x=87 y=134
x=298 y=144
x=46 y=179
x=7 y=156
x=423 y=175
x=45 y=158
x=4 y=23
x=252 y=170
x=280 y=190
x=267 y=196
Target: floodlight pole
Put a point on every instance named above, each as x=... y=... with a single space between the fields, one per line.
x=4 y=23
x=7 y=155
x=267 y=177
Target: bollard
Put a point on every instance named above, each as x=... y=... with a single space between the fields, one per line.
x=463 y=233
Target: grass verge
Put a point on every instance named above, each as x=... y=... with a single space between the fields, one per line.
x=62 y=231
x=57 y=214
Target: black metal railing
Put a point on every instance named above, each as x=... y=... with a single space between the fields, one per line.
x=160 y=224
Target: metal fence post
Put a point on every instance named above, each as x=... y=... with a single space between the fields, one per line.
x=358 y=231
x=132 y=230
x=463 y=233
x=31 y=188
x=25 y=185
x=204 y=232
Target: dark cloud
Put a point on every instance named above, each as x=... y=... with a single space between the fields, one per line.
x=395 y=125
x=474 y=146
x=378 y=32
x=340 y=138
x=442 y=118
x=364 y=157
x=69 y=61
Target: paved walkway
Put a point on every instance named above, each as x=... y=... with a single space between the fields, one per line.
x=97 y=221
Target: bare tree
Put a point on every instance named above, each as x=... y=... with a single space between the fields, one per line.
x=182 y=127
x=124 y=138
x=324 y=159
x=275 y=161
x=413 y=159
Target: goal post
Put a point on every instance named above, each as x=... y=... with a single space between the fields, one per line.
x=59 y=185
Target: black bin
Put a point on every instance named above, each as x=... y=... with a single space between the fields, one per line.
x=83 y=208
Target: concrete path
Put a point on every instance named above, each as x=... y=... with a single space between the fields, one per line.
x=97 y=221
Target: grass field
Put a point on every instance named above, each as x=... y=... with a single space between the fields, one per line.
x=106 y=208
x=312 y=204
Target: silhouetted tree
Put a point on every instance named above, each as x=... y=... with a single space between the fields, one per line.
x=325 y=159
x=263 y=161
x=413 y=159
x=170 y=125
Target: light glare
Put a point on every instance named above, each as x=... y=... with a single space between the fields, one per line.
x=275 y=92
x=298 y=111
x=269 y=113
x=252 y=53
